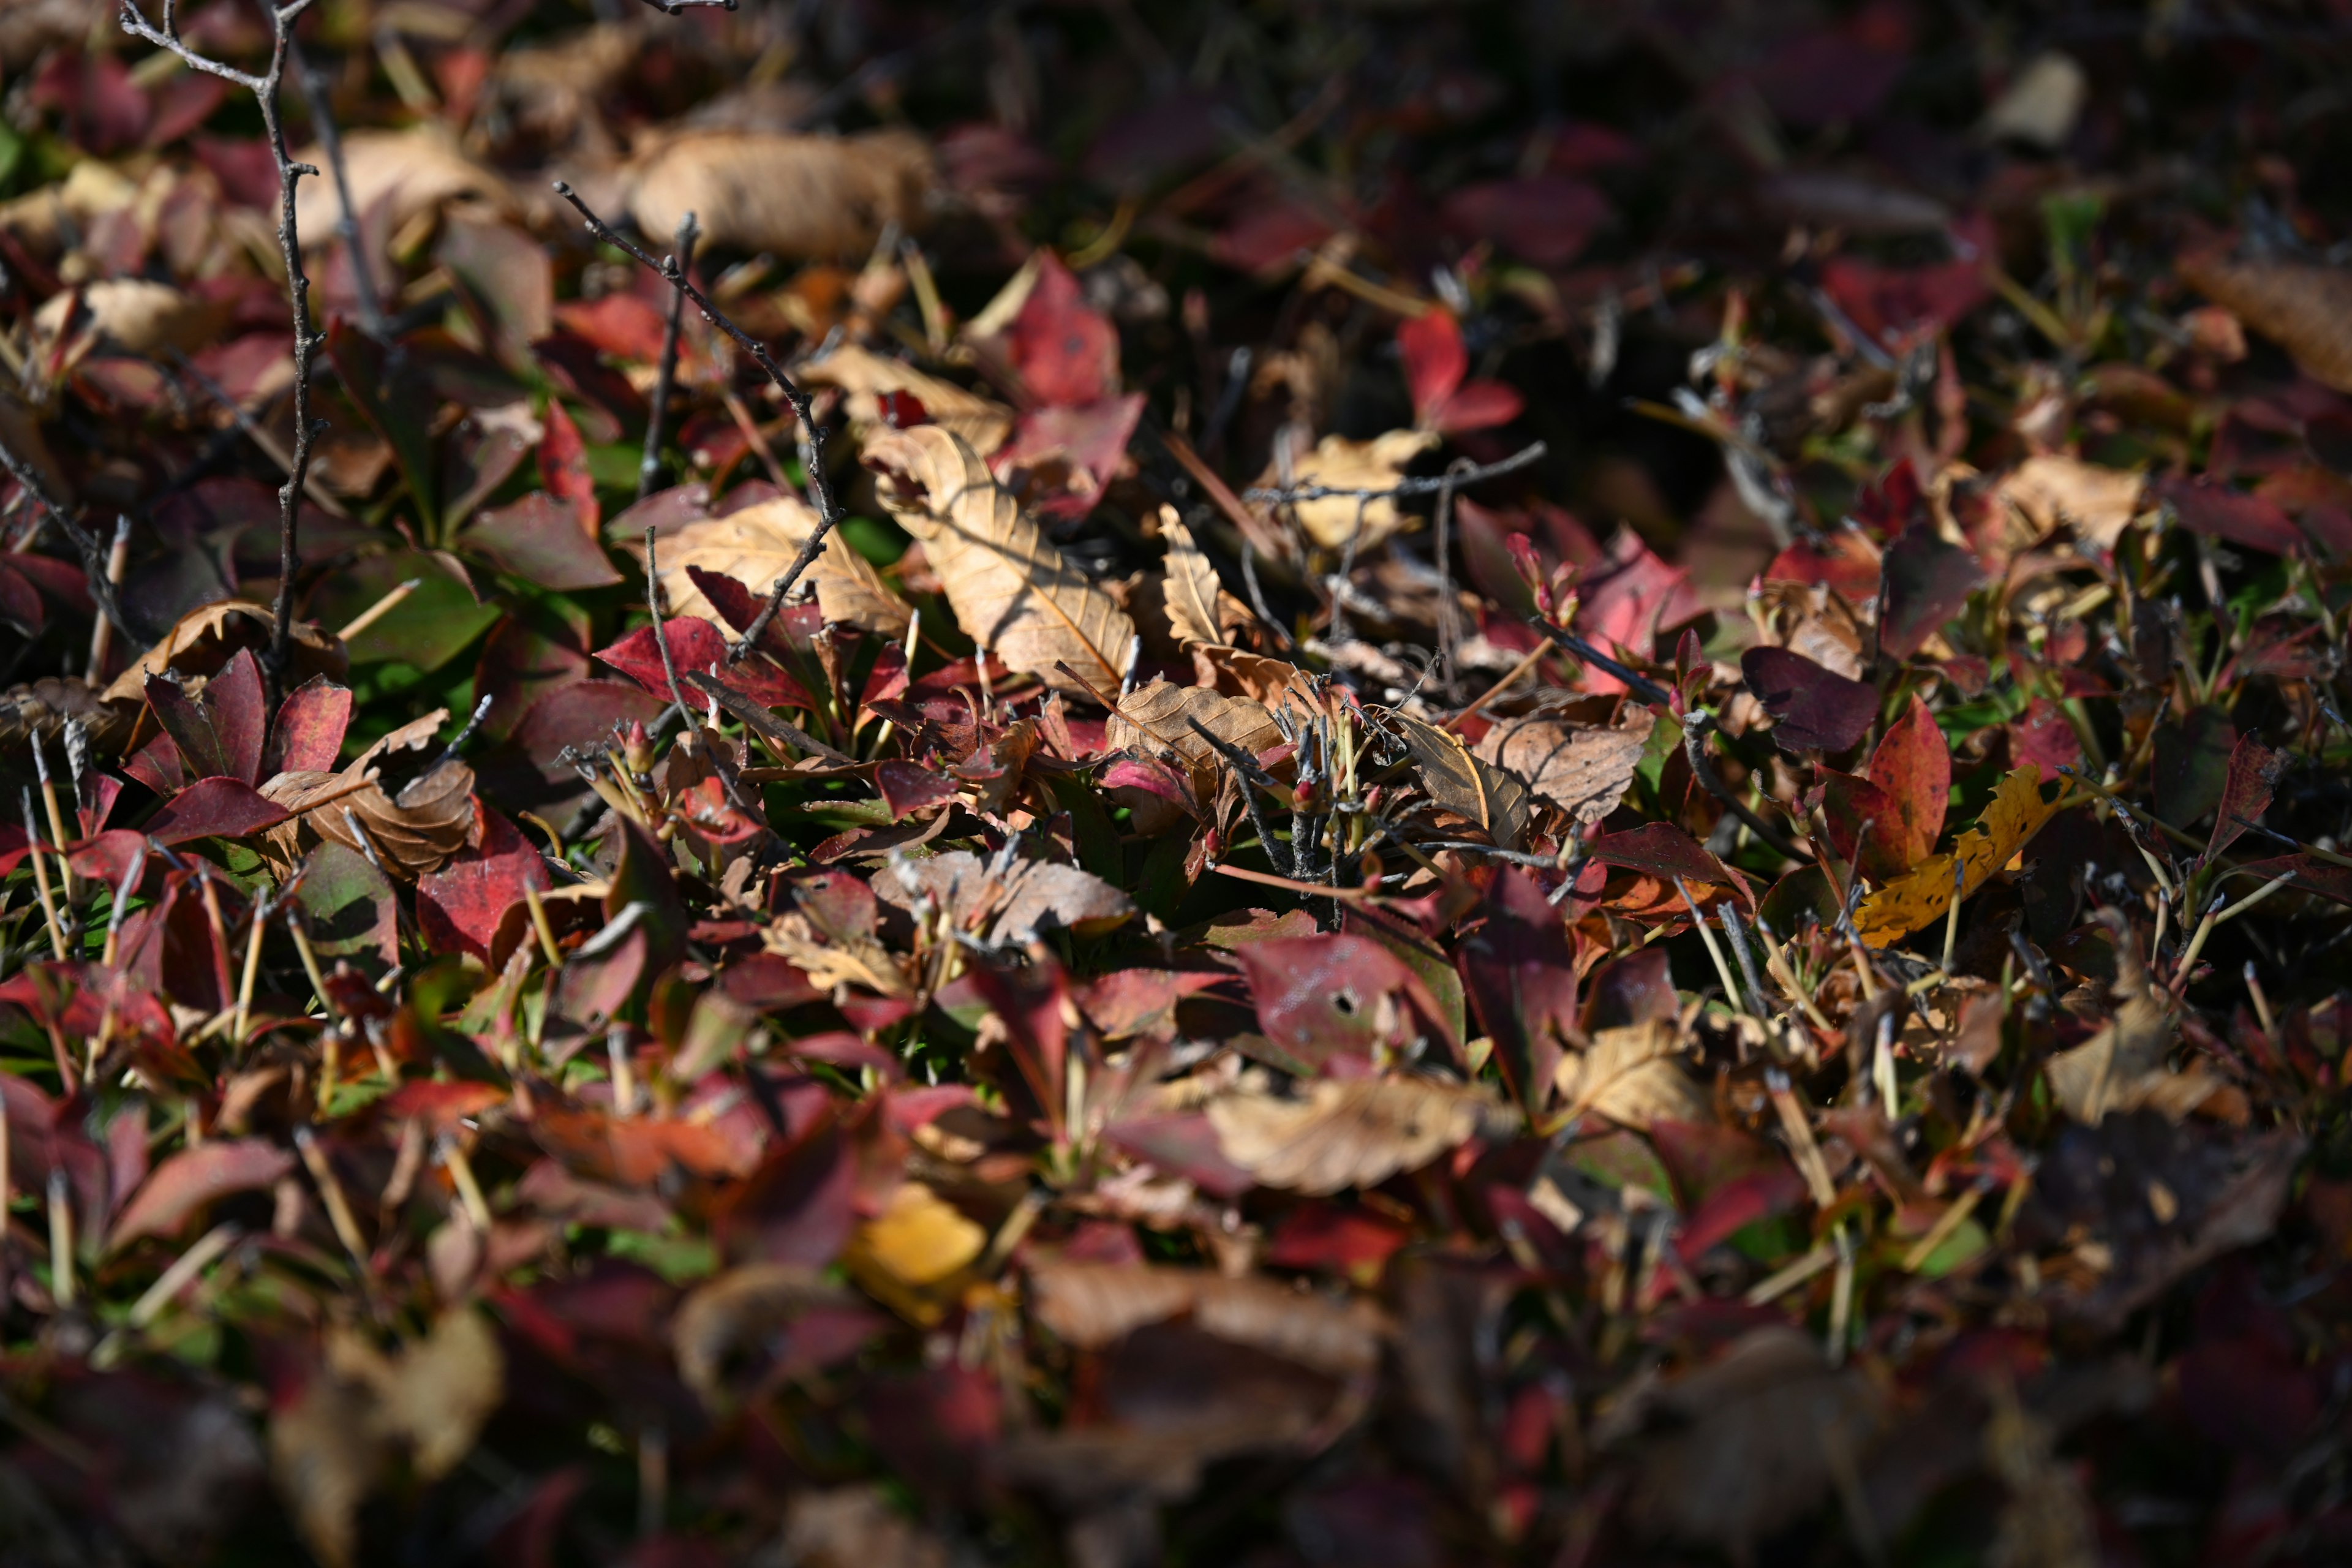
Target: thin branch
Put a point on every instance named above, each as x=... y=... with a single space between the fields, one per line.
x=1641 y=685
x=1246 y=771
x=347 y=225
x=682 y=258
x=1286 y=494
x=1696 y=725
x=93 y=553
x=828 y=506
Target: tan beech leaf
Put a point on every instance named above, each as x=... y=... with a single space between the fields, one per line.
x=1160 y=716
x=205 y=639
x=141 y=315
x=758 y=544
x=2121 y=1068
x=865 y=375
x=1337 y=463
x=443 y=1388
x=798 y=197
x=829 y=961
x=395 y=177
x=326 y=1451
x=412 y=830
x=1585 y=770
x=1199 y=608
x=1631 y=1076
x=1030 y=897
x=1464 y=783
x=1352 y=1132
x=1012 y=591
x=1095 y=1304
x=2096 y=503
x=2305 y=310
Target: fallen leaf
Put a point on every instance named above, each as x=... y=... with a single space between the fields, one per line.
x=869 y=379
x=2015 y=814
x=1632 y=1076
x=1092 y=1305
x=758 y=544
x=1583 y=768
x=2305 y=310
x=1464 y=783
x=1012 y=591
x=797 y=197
x=1348 y=1133
x=1199 y=608
x=1159 y=718
x=1339 y=464
x=2097 y=503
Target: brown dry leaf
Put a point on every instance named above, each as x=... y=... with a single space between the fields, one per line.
x=1814 y=620
x=1199 y=608
x=2097 y=503
x=1337 y=463
x=396 y=178
x=2015 y=814
x=325 y=1453
x=205 y=638
x=1468 y=787
x=909 y=1256
x=443 y=1389
x=1012 y=591
x=856 y=1527
x=1630 y=1075
x=736 y=1312
x=758 y=544
x=1354 y=1133
x=800 y=197
x=1754 y=1442
x=1276 y=683
x=412 y=830
x=2121 y=1068
x=2305 y=310
x=1030 y=897
x=135 y=313
x=1095 y=1304
x=1583 y=768
x=865 y=376
x=829 y=961
x=1159 y=718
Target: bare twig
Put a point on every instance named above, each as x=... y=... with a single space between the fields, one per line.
x=85 y=543
x=347 y=226
x=1248 y=772
x=661 y=632
x=265 y=89
x=1641 y=685
x=820 y=483
x=1696 y=725
x=649 y=464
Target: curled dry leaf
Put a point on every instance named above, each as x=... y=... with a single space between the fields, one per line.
x=1464 y=783
x=203 y=641
x=412 y=830
x=868 y=377
x=1199 y=608
x=2305 y=310
x=1348 y=1133
x=1630 y=1075
x=325 y=1452
x=2120 y=1068
x=758 y=544
x=1583 y=768
x=733 y=1313
x=1337 y=463
x=1012 y=591
x=2097 y=503
x=797 y=197
x=435 y=1395
x=830 y=958
x=1095 y=1304
x=1030 y=897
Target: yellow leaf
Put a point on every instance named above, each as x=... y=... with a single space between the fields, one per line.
x=1339 y=464
x=2016 y=814
x=906 y=1254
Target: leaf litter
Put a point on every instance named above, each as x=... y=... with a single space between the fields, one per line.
x=1165 y=787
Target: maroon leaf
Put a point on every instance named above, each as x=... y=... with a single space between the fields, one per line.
x=1520 y=968
x=1865 y=826
x=1924 y=581
x=459 y=905
x=1323 y=997
x=1817 y=709
x=541 y=540
x=1661 y=849
x=696 y=644
x=308 y=734
x=214 y=807
x=194 y=1177
x=220 y=731
x=1033 y=1005
x=2220 y=512
x=907 y=788
x=2254 y=771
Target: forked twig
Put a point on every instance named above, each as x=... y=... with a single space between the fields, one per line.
x=828 y=506
x=265 y=89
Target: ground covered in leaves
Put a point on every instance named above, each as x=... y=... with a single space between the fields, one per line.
x=1106 y=784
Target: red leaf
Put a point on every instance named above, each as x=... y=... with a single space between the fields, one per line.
x=907 y=788
x=622 y=325
x=1434 y=362
x=696 y=644
x=1319 y=996
x=540 y=540
x=1479 y=406
x=1661 y=849
x=194 y=1177
x=1851 y=805
x=1912 y=763
x=220 y=731
x=1520 y=968
x=2044 y=737
x=1925 y=582
x=214 y=807
x=1818 y=709
x=1548 y=219
x=2254 y=771
x=563 y=469
x=444 y=1103
x=798 y=1207
x=2221 y=512
x=459 y=905
x=308 y=734
x=1067 y=352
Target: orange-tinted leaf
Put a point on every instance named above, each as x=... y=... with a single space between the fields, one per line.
x=1913 y=765
x=194 y=1177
